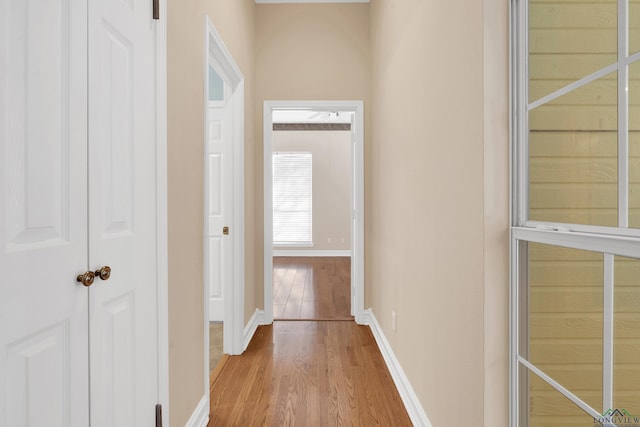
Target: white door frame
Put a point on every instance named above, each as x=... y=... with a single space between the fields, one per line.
x=162 y=251
x=357 y=228
x=217 y=54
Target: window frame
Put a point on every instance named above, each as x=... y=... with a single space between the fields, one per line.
x=610 y=241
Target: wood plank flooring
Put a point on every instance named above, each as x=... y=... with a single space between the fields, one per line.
x=312 y=288
x=307 y=373
x=215 y=344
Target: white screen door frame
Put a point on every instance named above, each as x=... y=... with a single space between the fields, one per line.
x=609 y=242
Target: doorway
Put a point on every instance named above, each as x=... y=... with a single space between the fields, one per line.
x=302 y=244
x=223 y=215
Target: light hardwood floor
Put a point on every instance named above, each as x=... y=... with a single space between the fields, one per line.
x=312 y=288
x=307 y=373
x=215 y=344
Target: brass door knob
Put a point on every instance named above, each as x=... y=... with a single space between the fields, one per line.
x=225 y=230
x=104 y=273
x=86 y=279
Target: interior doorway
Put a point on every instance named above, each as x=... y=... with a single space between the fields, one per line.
x=223 y=240
x=325 y=251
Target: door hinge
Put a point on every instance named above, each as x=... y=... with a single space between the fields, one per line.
x=156 y=9
x=158 y=415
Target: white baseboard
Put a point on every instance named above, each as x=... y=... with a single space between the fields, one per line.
x=311 y=253
x=256 y=320
x=412 y=404
x=200 y=416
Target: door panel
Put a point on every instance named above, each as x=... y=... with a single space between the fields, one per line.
x=36 y=121
x=119 y=352
x=215 y=271
x=117 y=151
x=218 y=246
x=43 y=213
x=36 y=365
x=122 y=230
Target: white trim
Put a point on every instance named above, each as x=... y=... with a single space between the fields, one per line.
x=592 y=229
x=357 y=264
x=407 y=394
x=267 y=190
x=357 y=215
x=608 y=334
x=311 y=253
x=200 y=415
x=220 y=58
x=256 y=320
x=623 y=114
x=519 y=122
x=161 y=214
x=514 y=332
x=623 y=246
x=235 y=303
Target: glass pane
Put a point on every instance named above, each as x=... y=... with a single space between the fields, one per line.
x=566 y=319
x=634 y=26
x=216 y=86
x=634 y=179
x=634 y=144
x=567 y=41
x=573 y=164
x=626 y=355
x=550 y=408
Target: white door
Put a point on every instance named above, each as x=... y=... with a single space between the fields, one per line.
x=218 y=203
x=77 y=195
x=122 y=228
x=43 y=213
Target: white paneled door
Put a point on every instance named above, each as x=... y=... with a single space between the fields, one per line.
x=218 y=167
x=122 y=206
x=78 y=193
x=43 y=213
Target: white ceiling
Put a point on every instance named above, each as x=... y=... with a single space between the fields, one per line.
x=311 y=116
x=311 y=1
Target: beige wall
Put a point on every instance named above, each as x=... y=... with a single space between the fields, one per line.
x=331 y=153
x=437 y=205
x=496 y=211
x=234 y=20
x=307 y=52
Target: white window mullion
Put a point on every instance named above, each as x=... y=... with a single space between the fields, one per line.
x=560 y=388
x=520 y=131
x=607 y=334
x=623 y=113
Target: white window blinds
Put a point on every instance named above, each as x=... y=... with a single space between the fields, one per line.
x=292 y=198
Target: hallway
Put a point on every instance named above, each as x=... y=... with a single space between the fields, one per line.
x=311 y=373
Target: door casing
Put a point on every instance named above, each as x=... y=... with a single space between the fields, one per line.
x=357 y=198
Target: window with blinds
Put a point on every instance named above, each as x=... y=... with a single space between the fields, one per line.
x=292 y=198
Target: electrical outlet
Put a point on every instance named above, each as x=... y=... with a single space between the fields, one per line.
x=328 y=239
x=394 y=321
